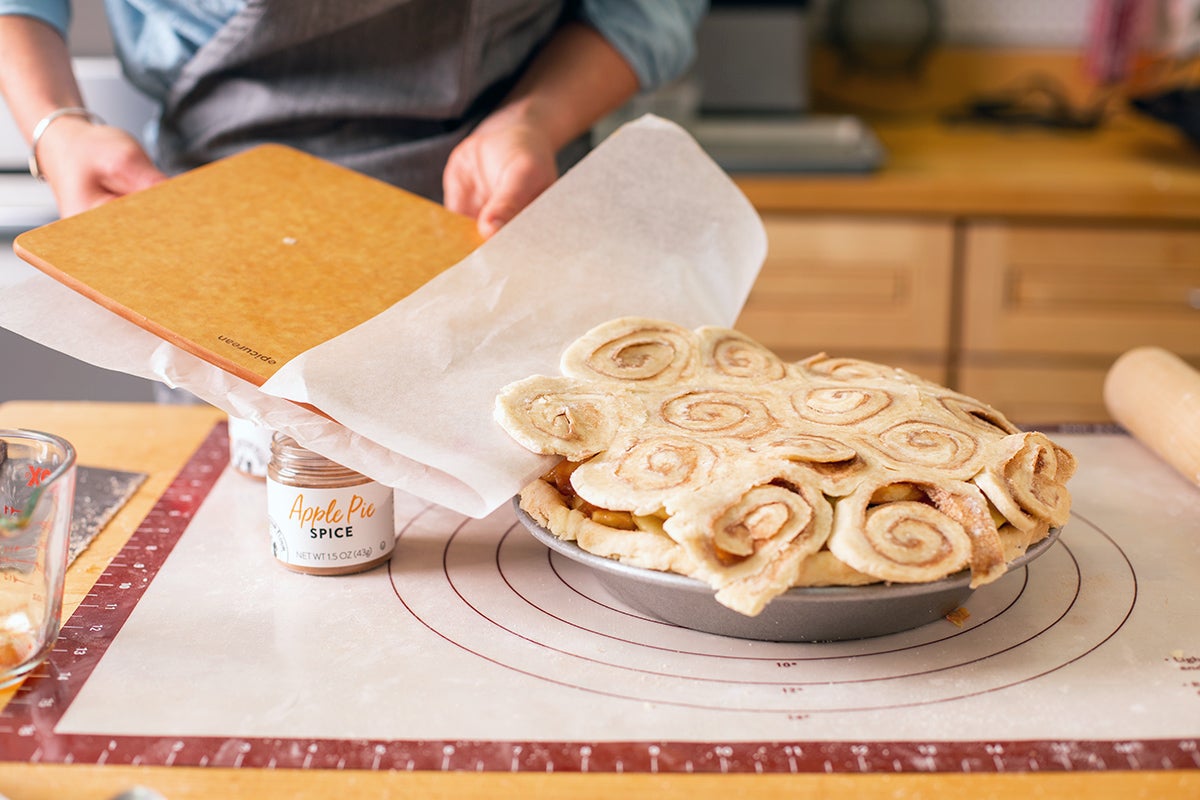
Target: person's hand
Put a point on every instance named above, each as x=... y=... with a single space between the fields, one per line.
x=87 y=164
x=498 y=170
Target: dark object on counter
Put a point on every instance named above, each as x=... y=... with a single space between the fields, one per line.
x=99 y=495
x=1041 y=103
x=1177 y=107
x=885 y=37
x=753 y=57
x=806 y=143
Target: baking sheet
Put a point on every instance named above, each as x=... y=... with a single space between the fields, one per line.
x=99 y=494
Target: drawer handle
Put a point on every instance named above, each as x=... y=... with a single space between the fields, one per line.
x=1194 y=298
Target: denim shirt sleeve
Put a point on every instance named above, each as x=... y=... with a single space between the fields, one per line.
x=656 y=37
x=156 y=38
x=56 y=13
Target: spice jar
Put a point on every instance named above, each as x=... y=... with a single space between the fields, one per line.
x=249 y=447
x=325 y=519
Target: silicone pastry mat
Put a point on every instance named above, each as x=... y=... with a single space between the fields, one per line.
x=475 y=649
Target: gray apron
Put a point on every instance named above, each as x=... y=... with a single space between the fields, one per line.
x=384 y=87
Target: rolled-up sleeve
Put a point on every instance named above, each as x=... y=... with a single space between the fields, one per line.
x=56 y=13
x=656 y=37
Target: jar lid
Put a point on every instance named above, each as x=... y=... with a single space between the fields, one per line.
x=296 y=465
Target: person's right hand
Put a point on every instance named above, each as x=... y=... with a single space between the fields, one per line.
x=87 y=165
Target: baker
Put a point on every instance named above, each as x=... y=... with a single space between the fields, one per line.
x=477 y=104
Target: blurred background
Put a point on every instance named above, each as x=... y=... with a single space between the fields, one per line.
x=1000 y=196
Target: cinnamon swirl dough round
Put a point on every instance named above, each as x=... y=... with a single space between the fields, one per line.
x=701 y=452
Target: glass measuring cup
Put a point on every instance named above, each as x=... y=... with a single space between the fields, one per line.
x=37 y=494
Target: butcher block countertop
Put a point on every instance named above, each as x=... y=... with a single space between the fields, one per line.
x=159 y=440
x=1130 y=169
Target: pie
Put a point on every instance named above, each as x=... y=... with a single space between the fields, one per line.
x=701 y=452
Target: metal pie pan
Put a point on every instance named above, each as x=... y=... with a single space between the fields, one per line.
x=818 y=614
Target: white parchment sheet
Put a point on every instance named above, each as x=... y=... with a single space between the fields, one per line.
x=475 y=635
x=646 y=225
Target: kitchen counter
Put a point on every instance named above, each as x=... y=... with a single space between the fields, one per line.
x=1130 y=169
x=159 y=440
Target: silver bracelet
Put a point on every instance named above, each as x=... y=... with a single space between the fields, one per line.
x=39 y=131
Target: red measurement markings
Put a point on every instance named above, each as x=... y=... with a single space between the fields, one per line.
x=37 y=475
x=27 y=722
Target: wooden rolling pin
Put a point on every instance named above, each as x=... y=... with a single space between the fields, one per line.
x=1155 y=395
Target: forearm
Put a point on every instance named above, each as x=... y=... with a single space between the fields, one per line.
x=574 y=81
x=84 y=162
x=510 y=158
x=35 y=73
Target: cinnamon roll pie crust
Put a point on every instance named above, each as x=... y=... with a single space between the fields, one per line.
x=702 y=453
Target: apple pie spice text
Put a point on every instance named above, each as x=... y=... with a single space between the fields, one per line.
x=325 y=519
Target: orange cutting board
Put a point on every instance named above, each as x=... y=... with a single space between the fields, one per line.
x=253 y=259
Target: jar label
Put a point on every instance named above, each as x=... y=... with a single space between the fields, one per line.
x=249 y=447
x=338 y=527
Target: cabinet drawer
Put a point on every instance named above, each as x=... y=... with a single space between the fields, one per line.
x=876 y=289
x=1080 y=290
x=1039 y=395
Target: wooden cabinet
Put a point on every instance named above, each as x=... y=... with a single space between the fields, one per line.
x=1024 y=315
x=1079 y=291
x=1047 y=308
x=878 y=289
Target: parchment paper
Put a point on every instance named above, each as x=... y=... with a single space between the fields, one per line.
x=645 y=225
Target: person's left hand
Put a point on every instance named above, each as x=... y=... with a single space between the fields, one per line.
x=498 y=170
